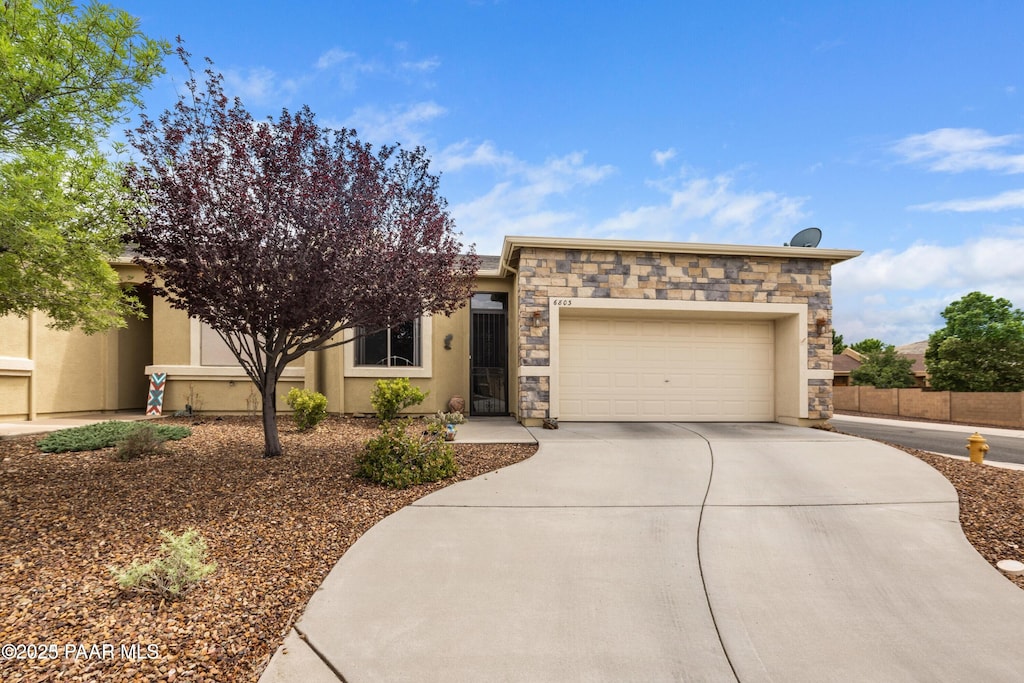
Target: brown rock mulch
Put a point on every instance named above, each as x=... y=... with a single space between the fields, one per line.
x=275 y=528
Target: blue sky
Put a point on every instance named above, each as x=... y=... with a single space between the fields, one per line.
x=895 y=127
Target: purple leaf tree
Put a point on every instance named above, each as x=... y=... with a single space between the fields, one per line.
x=279 y=234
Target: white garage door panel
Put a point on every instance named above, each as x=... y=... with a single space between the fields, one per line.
x=621 y=369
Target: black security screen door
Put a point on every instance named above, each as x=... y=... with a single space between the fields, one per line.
x=488 y=364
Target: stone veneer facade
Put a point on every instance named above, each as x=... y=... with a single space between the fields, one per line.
x=549 y=273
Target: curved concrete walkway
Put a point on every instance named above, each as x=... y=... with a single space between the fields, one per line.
x=669 y=552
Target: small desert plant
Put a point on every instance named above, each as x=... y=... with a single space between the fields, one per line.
x=442 y=418
x=180 y=566
x=145 y=440
x=390 y=396
x=399 y=459
x=252 y=402
x=310 y=407
x=102 y=435
x=443 y=424
x=193 y=403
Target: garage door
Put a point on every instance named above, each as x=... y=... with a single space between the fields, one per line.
x=647 y=370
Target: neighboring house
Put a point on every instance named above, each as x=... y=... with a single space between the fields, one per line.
x=843 y=364
x=565 y=328
x=915 y=351
x=849 y=360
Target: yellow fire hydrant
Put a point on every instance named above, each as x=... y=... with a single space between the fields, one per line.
x=977 y=447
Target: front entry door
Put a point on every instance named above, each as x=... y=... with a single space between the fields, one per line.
x=488 y=364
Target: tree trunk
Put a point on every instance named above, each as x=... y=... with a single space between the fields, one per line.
x=271 y=439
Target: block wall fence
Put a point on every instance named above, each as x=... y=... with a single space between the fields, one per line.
x=997 y=409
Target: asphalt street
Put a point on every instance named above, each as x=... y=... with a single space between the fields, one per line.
x=1005 y=445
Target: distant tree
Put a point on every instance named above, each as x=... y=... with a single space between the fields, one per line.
x=981 y=348
x=837 y=343
x=884 y=369
x=279 y=234
x=67 y=74
x=869 y=345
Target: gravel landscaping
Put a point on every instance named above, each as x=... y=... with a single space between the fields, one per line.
x=274 y=527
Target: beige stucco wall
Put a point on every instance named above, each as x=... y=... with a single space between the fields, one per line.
x=228 y=390
x=449 y=376
x=214 y=390
x=46 y=372
x=14 y=397
x=171 y=334
x=15 y=364
x=222 y=396
x=14 y=333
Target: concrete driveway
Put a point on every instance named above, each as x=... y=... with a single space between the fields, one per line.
x=670 y=552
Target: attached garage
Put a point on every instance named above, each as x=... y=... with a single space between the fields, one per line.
x=671 y=331
x=644 y=368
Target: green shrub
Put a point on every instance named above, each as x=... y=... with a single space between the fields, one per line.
x=390 y=396
x=145 y=440
x=310 y=407
x=180 y=566
x=102 y=435
x=399 y=459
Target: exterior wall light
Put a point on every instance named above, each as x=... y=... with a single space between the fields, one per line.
x=821 y=322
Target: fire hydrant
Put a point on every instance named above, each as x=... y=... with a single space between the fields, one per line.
x=977 y=447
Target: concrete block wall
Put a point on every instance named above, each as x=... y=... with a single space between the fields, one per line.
x=1003 y=409
x=846 y=399
x=880 y=401
x=926 y=405
x=1000 y=409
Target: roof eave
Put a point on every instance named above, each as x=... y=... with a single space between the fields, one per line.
x=514 y=242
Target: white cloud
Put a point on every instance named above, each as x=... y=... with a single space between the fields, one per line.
x=345 y=68
x=710 y=210
x=257 y=85
x=336 y=66
x=541 y=199
x=898 y=296
x=333 y=57
x=662 y=157
x=526 y=199
x=1011 y=199
x=422 y=66
x=458 y=156
x=396 y=124
x=955 y=150
x=348 y=67
x=260 y=85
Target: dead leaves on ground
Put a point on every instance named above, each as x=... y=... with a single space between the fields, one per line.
x=275 y=527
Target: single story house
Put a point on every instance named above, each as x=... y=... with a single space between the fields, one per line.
x=849 y=360
x=564 y=328
x=843 y=364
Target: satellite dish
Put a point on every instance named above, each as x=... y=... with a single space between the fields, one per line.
x=808 y=237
